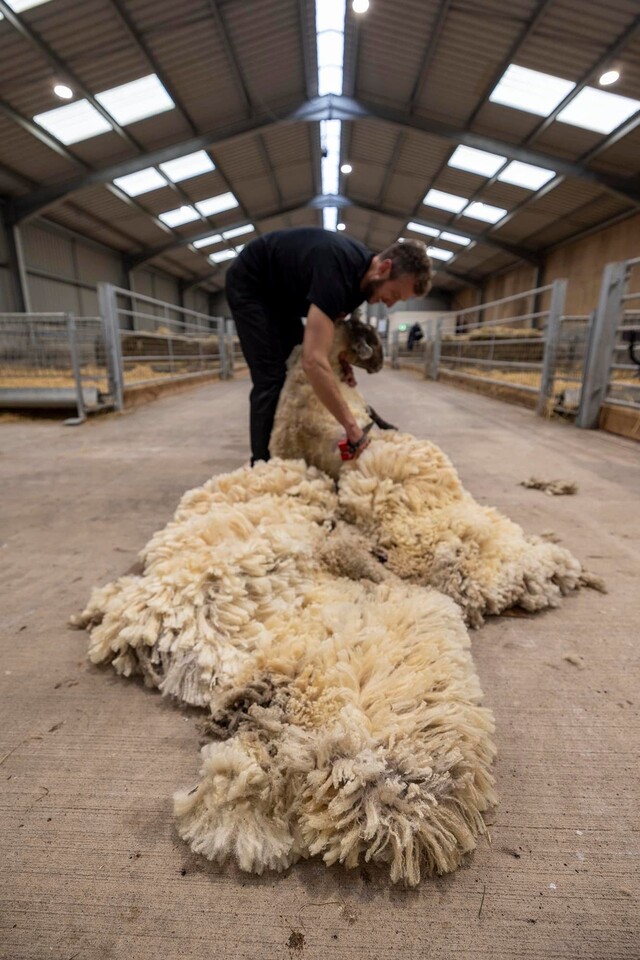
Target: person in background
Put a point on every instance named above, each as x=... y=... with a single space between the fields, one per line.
x=323 y=276
x=415 y=335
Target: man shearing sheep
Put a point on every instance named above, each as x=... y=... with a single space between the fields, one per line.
x=307 y=272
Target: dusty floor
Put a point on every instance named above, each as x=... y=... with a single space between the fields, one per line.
x=92 y=867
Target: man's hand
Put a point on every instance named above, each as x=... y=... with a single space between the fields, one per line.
x=357 y=441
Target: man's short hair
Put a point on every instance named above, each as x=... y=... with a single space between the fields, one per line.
x=410 y=257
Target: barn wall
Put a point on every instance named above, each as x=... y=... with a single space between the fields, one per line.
x=581 y=263
x=63 y=270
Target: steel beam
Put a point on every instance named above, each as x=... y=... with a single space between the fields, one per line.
x=324 y=108
x=340 y=201
x=46 y=196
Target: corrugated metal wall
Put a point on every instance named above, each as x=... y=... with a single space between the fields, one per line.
x=63 y=271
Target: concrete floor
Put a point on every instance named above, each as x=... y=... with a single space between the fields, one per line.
x=92 y=866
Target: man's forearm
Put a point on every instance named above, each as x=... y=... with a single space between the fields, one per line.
x=325 y=385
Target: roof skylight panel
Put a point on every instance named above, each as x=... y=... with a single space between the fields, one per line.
x=484 y=211
x=418 y=228
x=530 y=90
x=455 y=238
x=175 y=218
x=213 y=205
x=221 y=255
x=330 y=15
x=476 y=161
x=439 y=254
x=141 y=182
x=330 y=218
x=19 y=5
x=330 y=134
x=598 y=110
x=207 y=241
x=526 y=175
x=192 y=165
x=136 y=100
x=445 y=201
x=73 y=122
x=238 y=231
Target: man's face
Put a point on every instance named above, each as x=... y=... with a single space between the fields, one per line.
x=382 y=289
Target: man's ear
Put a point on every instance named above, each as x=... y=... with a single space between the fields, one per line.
x=384 y=269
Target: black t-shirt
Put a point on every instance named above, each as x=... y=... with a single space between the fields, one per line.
x=291 y=269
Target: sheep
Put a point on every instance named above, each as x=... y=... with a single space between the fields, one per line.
x=346 y=711
x=303 y=427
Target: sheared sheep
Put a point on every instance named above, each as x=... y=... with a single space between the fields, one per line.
x=405 y=496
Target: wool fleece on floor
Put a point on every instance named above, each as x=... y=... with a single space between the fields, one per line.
x=343 y=708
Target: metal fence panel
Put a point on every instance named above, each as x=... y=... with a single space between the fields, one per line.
x=53 y=361
x=612 y=372
x=152 y=341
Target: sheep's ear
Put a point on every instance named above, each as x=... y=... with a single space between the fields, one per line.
x=363 y=350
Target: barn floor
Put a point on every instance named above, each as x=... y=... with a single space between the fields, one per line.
x=92 y=867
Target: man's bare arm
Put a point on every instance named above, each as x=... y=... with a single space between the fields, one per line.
x=316 y=346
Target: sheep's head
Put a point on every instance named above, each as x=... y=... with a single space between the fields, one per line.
x=358 y=344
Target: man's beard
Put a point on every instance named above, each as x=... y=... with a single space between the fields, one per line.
x=371 y=288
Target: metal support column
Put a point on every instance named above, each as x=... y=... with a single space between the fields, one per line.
x=602 y=339
x=77 y=375
x=109 y=313
x=17 y=268
x=222 y=350
x=554 y=321
x=435 y=356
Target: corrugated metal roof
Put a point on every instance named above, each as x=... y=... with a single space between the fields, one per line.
x=250 y=58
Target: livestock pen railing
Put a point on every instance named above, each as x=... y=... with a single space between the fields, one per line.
x=517 y=351
x=155 y=342
x=612 y=374
x=53 y=361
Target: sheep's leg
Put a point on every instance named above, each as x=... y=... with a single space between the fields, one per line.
x=379 y=422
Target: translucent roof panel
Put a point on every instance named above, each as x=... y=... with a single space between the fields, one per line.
x=330 y=218
x=526 y=175
x=175 y=218
x=445 y=201
x=438 y=254
x=222 y=255
x=136 y=100
x=212 y=205
x=530 y=90
x=208 y=241
x=598 y=110
x=141 y=182
x=19 y=5
x=455 y=238
x=484 y=211
x=476 y=161
x=238 y=231
x=190 y=166
x=73 y=122
x=418 y=228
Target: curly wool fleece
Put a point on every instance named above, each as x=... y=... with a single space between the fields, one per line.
x=347 y=713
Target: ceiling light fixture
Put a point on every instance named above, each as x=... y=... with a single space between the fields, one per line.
x=360 y=6
x=610 y=76
x=341 y=226
x=346 y=168
x=63 y=91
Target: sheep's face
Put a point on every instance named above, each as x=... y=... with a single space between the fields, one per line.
x=359 y=345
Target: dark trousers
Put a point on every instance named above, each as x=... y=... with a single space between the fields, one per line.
x=266 y=339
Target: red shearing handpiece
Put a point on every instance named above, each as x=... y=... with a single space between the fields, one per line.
x=348 y=450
